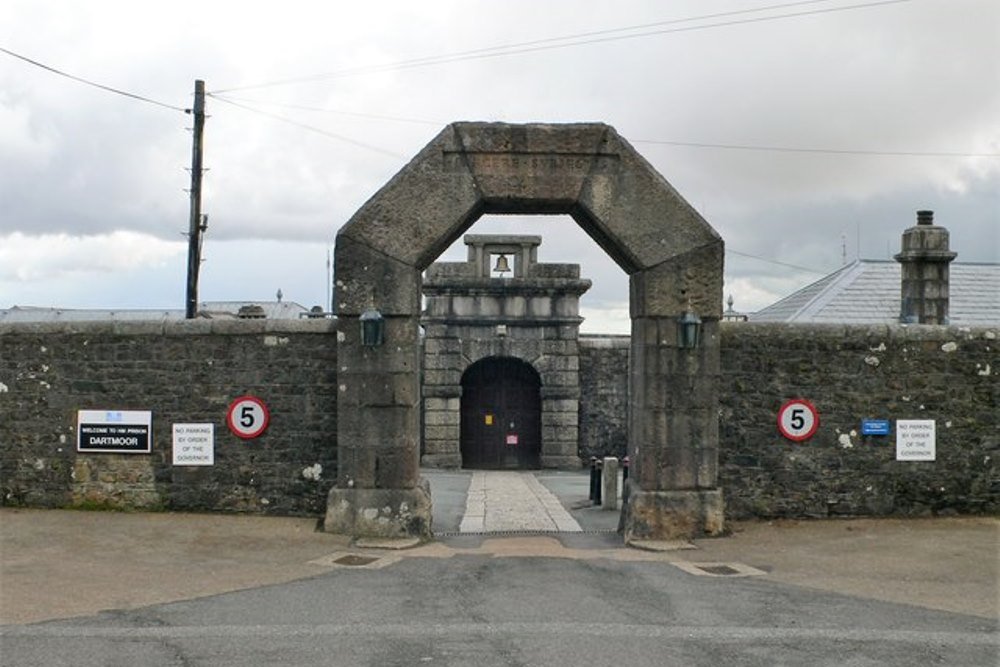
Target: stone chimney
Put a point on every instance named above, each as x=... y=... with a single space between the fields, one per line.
x=924 y=287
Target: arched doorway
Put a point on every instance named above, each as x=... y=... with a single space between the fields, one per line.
x=501 y=424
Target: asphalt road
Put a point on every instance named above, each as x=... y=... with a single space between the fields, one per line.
x=486 y=611
x=91 y=588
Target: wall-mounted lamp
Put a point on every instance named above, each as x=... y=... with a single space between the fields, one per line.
x=372 y=328
x=689 y=331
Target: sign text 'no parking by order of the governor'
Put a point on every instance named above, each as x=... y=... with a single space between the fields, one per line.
x=194 y=444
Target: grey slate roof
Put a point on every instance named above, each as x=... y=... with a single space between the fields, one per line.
x=867 y=292
x=274 y=310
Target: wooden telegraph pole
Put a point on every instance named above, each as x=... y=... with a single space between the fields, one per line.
x=197 y=224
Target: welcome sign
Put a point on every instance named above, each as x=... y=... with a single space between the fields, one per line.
x=114 y=431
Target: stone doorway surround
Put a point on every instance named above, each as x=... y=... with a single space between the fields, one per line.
x=533 y=315
x=674 y=262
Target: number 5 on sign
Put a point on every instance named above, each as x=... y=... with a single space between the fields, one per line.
x=798 y=420
x=247 y=417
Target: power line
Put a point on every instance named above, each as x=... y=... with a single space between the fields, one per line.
x=92 y=83
x=579 y=39
x=774 y=261
x=304 y=126
x=339 y=112
x=655 y=142
x=827 y=151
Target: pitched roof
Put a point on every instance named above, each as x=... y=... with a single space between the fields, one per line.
x=867 y=292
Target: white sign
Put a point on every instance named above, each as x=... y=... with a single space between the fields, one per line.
x=194 y=444
x=798 y=420
x=915 y=440
x=114 y=431
x=248 y=417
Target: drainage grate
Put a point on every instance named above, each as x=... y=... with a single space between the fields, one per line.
x=719 y=570
x=355 y=561
x=521 y=533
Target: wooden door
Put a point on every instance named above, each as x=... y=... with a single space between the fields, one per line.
x=501 y=415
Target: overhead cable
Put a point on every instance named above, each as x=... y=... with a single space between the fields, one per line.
x=655 y=142
x=109 y=89
x=567 y=41
x=774 y=261
x=304 y=126
x=827 y=151
x=339 y=112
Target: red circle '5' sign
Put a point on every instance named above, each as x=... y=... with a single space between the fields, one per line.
x=247 y=417
x=798 y=419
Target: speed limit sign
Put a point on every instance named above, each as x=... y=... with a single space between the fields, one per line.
x=247 y=417
x=798 y=419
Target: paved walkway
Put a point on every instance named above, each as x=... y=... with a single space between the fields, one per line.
x=506 y=501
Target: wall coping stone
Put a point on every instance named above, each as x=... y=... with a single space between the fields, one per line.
x=196 y=327
x=914 y=332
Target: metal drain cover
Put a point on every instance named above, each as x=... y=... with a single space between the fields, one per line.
x=720 y=570
x=355 y=560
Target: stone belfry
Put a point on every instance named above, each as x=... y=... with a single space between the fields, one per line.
x=925 y=258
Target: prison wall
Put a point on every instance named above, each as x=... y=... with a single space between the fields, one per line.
x=603 y=396
x=189 y=372
x=184 y=372
x=849 y=373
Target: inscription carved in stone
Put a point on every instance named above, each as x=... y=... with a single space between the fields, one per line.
x=500 y=163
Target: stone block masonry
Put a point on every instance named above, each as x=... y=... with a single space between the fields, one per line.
x=189 y=372
x=849 y=373
x=183 y=372
x=603 y=396
x=852 y=373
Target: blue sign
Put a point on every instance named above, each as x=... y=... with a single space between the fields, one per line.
x=875 y=427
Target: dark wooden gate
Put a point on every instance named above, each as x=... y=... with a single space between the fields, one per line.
x=501 y=415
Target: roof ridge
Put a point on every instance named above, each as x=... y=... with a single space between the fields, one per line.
x=841 y=280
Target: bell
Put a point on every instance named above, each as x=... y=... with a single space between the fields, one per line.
x=502 y=266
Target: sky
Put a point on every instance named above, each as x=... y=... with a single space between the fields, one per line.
x=806 y=133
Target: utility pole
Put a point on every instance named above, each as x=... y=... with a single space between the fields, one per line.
x=197 y=223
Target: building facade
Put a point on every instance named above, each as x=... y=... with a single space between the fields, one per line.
x=501 y=376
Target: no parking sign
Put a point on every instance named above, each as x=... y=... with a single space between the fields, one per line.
x=798 y=419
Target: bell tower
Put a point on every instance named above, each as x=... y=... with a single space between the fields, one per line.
x=500 y=305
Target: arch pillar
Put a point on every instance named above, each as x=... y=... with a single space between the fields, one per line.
x=379 y=492
x=673 y=401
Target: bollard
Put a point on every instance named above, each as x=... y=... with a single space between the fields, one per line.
x=593 y=478
x=610 y=483
x=625 y=480
x=597 y=487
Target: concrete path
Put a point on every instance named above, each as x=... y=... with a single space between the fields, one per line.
x=508 y=501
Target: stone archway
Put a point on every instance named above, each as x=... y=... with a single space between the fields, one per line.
x=674 y=262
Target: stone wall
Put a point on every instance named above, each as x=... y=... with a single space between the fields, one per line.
x=849 y=373
x=604 y=396
x=947 y=374
x=189 y=372
x=184 y=372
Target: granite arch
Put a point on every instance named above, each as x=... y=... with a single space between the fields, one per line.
x=674 y=261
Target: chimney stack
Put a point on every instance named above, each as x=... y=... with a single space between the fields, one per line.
x=924 y=287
